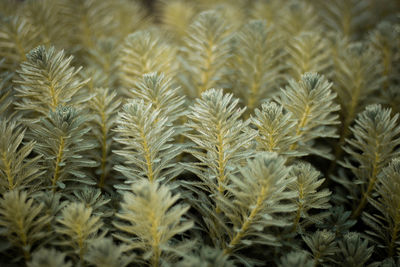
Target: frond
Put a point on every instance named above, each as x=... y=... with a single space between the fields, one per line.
x=104 y=108
x=101 y=65
x=176 y=16
x=45 y=81
x=18 y=168
x=276 y=129
x=385 y=222
x=386 y=39
x=353 y=251
x=151 y=219
x=222 y=141
x=94 y=199
x=6 y=93
x=22 y=221
x=346 y=17
x=205 y=53
x=253 y=201
x=61 y=142
x=17 y=37
x=159 y=90
x=338 y=221
x=307 y=52
x=105 y=253
x=77 y=227
x=297 y=17
x=357 y=78
x=255 y=63
x=376 y=138
x=46 y=16
x=206 y=257
x=309 y=196
x=144 y=52
x=311 y=102
x=298 y=259
x=323 y=246
x=146 y=137
x=49 y=258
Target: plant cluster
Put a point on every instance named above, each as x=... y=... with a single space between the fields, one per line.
x=199 y=133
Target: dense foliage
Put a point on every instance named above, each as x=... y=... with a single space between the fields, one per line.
x=199 y=133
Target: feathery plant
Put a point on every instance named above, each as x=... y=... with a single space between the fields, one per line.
x=104 y=253
x=375 y=142
x=307 y=53
x=221 y=139
x=22 y=222
x=143 y=52
x=146 y=137
x=252 y=200
x=134 y=158
x=49 y=258
x=104 y=110
x=77 y=227
x=385 y=225
x=205 y=53
x=275 y=129
x=357 y=78
x=159 y=90
x=47 y=80
x=17 y=38
x=255 y=63
x=150 y=219
x=62 y=144
x=18 y=168
x=311 y=103
x=309 y=196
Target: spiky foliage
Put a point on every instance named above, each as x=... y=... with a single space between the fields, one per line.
x=255 y=65
x=44 y=15
x=77 y=227
x=205 y=53
x=294 y=12
x=309 y=196
x=322 y=245
x=222 y=142
x=151 y=219
x=275 y=129
x=146 y=137
x=61 y=143
x=18 y=169
x=17 y=37
x=338 y=221
x=104 y=253
x=311 y=103
x=206 y=257
x=143 y=52
x=49 y=258
x=6 y=92
x=385 y=221
x=357 y=77
x=307 y=53
x=177 y=15
x=45 y=81
x=104 y=110
x=298 y=259
x=346 y=17
x=375 y=143
x=101 y=64
x=92 y=197
x=353 y=251
x=22 y=222
x=157 y=89
x=252 y=200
